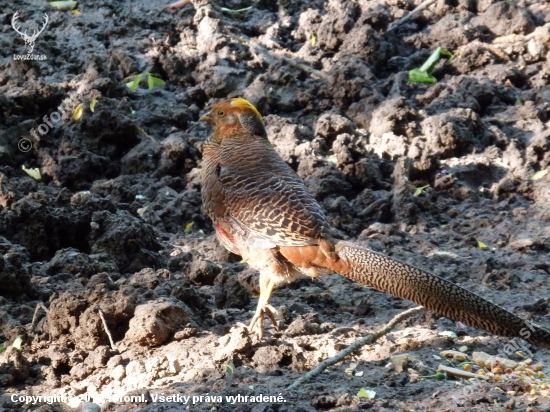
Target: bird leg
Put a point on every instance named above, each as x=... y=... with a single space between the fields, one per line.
x=267 y=284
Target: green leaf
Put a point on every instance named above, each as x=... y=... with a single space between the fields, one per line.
x=63 y=5
x=17 y=343
x=441 y=376
x=77 y=113
x=92 y=104
x=313 y=40
x=332 y=159
x=518 y=102
x=230 y=366
x=133 y=84
x=481 y=245
x=158 y=82
x=540 y=174
x=368 y=394
x=419 y=76
x=153 y=81
x=429 y=64
x=418 y=191
x=422 y=75
x=32 y=172
x=188 y=226
x=3 y=348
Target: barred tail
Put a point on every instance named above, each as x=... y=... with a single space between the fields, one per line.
x=436 y=294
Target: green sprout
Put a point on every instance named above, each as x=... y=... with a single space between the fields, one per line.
x=367 y=394
x=423 y=74
x=77 y=112
x=17 y=344
x=236 y=11
x=63 y=5
x=439 y=376
x=152 y=81
x=419 y=190
x=481 y=245
x=79 y=109
x=229 y=366
x=93 y=102
x=540 y=174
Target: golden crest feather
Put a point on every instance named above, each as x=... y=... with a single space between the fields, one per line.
x=243 y=103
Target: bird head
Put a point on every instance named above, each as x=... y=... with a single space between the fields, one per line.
x=234 y=117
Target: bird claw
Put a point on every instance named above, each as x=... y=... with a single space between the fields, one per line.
x=258 y=318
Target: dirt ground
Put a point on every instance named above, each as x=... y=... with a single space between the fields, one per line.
x=114 y=228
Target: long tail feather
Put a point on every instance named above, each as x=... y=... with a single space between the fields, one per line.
x=435 y=293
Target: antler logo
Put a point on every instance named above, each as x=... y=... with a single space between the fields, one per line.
x=29 y=40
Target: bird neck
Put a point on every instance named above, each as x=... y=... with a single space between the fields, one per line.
x=227 y=131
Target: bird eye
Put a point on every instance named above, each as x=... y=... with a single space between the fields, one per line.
x=221 y=113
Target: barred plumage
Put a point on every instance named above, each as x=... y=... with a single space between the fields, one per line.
x=265 y=196
x=435 y=293
x=262 y=210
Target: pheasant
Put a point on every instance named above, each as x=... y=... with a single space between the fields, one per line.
x=262 y=211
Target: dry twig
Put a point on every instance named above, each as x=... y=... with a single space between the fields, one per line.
x=370 y=338
x=489 y=47
x=377 y=203
x=502 y=43
x=272 y=55
x=40 y=305
x=406 y=18
x=519 y=38
x=113 y=347
x=177 y=5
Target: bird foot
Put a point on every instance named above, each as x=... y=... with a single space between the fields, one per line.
x=258 y=319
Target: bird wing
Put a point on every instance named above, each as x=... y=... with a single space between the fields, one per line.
x=266 y=199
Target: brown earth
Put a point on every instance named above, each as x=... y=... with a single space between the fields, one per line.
x=115 y=224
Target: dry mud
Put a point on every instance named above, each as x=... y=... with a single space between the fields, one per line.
x=115 y=224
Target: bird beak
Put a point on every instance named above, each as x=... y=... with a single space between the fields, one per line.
x=206 y=118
